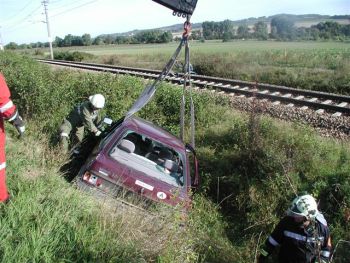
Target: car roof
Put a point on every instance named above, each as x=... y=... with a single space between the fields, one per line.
x=155 y=132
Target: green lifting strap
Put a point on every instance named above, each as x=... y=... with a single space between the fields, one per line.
x=150 y=90
x=187 y=84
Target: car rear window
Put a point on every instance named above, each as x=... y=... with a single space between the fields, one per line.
x=150 y=157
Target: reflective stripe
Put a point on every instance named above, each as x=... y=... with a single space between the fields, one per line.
x=264 y=252
x=14 y=116
x=313 y=240
x=6 y=106
x=2 y=166
x=63 y=134
x=273 y=241
x=325 y=253
x=294 y=235
x=320 y=218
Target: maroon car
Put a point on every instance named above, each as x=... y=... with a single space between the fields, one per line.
x=139 y=157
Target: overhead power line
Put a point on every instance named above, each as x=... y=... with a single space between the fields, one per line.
x=17 y=22
x=64 y=4
x=68 y=10
x=11 y=16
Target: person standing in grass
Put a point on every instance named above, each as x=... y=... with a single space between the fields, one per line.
x=302 y=235
x=8 y=112
x=83 y=116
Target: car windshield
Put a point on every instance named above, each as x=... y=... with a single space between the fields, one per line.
x=150 y=157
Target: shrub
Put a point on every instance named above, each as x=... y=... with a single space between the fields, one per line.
x=72 y=56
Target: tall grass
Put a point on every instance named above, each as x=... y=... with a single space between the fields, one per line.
x=49 y=221
x=251 y=167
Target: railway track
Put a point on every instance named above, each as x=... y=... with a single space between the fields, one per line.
x=336 y=105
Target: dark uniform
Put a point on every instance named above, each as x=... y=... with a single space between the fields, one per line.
x=297 y=244
x=81 y=117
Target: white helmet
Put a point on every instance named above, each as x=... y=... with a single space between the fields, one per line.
x=304 y=205
x=97 y=100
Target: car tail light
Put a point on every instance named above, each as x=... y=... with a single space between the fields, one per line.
x=92 y=179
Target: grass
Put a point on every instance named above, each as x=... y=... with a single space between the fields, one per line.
x=251 y=167
x=48 y=220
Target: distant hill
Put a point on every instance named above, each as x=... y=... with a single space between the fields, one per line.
x=299 y=20
x=306 y=20
x=172 y=28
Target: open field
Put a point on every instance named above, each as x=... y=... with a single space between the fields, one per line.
x=211 y=47
x=322 y=66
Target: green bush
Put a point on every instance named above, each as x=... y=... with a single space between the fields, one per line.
x=72 y=56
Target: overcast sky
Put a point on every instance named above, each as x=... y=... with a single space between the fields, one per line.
x=21 y=21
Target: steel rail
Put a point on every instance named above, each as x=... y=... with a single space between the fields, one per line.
x=338 y=104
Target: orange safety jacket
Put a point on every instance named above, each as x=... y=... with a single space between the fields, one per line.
x=7 y=112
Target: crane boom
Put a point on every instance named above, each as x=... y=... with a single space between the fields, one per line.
x=185 y=7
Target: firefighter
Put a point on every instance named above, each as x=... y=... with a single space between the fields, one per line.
x=8 y=112
x=83 y=116
x=302 y=235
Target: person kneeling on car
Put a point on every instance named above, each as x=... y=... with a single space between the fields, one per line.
x=83 y=116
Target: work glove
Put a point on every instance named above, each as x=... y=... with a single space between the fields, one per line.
x=21 y=130
x=98 y=133
x=19 y=125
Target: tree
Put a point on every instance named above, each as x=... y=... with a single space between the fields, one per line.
x=166 y=37
x=196 y=35
x=120 y=40
x=226 y=30
x=243 y=31
x=315 y=33
x=23 y=46
x=11 y=45
x=218 y=30
x=58 y=42
x=208 y=29
x=273 y=33
x=86 y=39
x=329 y=29
x=346 y=30
x=153 y=36
x=260 y=30
x=108 y=39
x=67 y=41
x=284 y=27
x=98 y=41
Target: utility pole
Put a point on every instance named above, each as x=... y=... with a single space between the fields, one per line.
x=45 y=2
